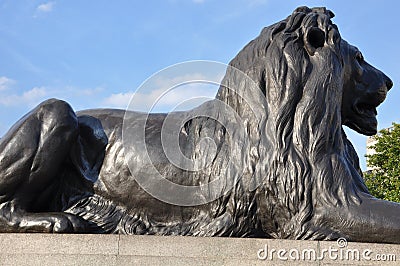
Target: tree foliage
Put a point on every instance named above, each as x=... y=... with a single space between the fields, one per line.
x=383 y=181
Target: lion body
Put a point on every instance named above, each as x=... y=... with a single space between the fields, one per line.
x=309 y=167
x=137 y=212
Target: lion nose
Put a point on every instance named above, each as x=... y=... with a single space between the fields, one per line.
x=389 y=83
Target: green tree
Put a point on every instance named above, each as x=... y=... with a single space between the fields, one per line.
x=383 y=181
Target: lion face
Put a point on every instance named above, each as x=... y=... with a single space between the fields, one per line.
x=364 y=88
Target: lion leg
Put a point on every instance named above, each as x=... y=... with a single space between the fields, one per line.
x=31 y=157
x=15 y=219
x=373 y=220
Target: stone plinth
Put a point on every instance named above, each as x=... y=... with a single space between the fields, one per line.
x=51 y=249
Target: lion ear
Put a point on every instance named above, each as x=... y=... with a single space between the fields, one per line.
x=313 y=39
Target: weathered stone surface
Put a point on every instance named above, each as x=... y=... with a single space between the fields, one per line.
x=52 y=249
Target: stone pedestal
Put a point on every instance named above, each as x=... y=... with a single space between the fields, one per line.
x=51 y=249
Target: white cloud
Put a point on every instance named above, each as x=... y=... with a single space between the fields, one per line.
x=23 y=101
x=119 y=100
x=5 y=83
x=34 y=93
x=165 y=82
x=164 y=94
x=47 y=7
x=31 y=97
x=185 y=97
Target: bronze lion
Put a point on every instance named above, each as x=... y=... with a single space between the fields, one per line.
x=292 y=171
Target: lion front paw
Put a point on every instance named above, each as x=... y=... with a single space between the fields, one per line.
x=57 y=222
x=62 y=225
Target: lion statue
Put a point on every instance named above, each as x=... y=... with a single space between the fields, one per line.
x=285 y=169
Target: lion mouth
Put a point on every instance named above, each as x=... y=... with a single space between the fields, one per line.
x=364 y=120
x=366 y=110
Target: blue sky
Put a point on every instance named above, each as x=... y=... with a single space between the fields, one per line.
x=97 y=53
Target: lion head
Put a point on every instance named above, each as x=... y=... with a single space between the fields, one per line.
x=312 y=82
x=364 y=88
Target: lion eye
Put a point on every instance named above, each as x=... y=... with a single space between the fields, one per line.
x=359 y=57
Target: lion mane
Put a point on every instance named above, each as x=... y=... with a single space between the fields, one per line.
x=300 y=153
